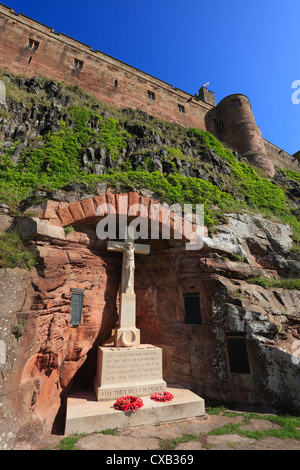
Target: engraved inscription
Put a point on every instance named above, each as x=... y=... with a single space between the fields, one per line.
x=147 y=390
x=76 y=306
x=128 y=311
x=127 y=366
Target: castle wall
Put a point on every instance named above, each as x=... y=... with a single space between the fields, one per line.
x=30 y=48
x=240 y=131
x=281 y=158
x=115 y=83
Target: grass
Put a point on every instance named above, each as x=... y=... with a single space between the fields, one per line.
x=13 y=252
x=69 y=229
x=18 y=329
x=289 y=427
x=295 y=247
x=169 y=444
x=109 y=432
x=68 y=443
x=288 y=283
x=214 y=410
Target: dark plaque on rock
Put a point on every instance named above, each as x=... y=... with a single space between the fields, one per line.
x=76 y=306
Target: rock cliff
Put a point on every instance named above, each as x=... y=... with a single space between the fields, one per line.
x=246 y=274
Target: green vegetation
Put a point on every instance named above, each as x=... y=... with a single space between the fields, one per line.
x=58 y=161
x=295 y=248
x=232 y=256
x=251 y=185
x=292 y=175
x=172 y=443
x=13 y=252
x=51 y=161
x=18 y=329
x=288 y=283
x=289 y=427
x=68 y=443
x=214 y=408
x=286 y=427
x=69 y=229
x=109 y=432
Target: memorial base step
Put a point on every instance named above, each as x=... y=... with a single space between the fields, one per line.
x=86 y=415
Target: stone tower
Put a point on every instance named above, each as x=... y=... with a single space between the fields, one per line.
x=237 y=128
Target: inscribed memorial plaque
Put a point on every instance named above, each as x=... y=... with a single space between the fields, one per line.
x=128 y=371
x=76 y=306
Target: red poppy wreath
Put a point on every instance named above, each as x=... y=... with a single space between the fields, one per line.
x=128 y=403
x=163 y=396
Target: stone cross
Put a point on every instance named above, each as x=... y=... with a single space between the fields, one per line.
x=127 y=334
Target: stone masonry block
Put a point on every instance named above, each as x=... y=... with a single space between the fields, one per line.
x=65 y=216
x=133 y=198
x=111 y=200
x=100 y=205
x=88 y=208
x=122 y=204
x=76 y=211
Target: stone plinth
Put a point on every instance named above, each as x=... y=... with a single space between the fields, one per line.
x=85 y=414
x=127 y=334
x=128 y=371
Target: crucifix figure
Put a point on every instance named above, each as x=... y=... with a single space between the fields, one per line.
x=127 y=334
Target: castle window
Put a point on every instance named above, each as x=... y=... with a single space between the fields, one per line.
x=116 y=83
x=236 y=103
x=33 y=44
x=181 y=108
x=237 y=354
x=78 y=64
x=219 y=126
x=192 y=309
x=151 y=95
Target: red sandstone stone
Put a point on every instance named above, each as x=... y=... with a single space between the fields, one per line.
x=50 y=208
x=146 y=202
x=52 y=256
x=88 y=208
x=133 y=198
x=78 y=237
x=175 y=226
x=65 y=216
x=139 y=207
x=122 y=204
x=100 y=205
x=111 y=201
x=76 y=211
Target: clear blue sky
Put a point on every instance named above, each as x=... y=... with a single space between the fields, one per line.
x=239 y=46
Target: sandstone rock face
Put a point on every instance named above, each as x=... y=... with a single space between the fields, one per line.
x=17 y=334
x=196 y=356
x=47 y=357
